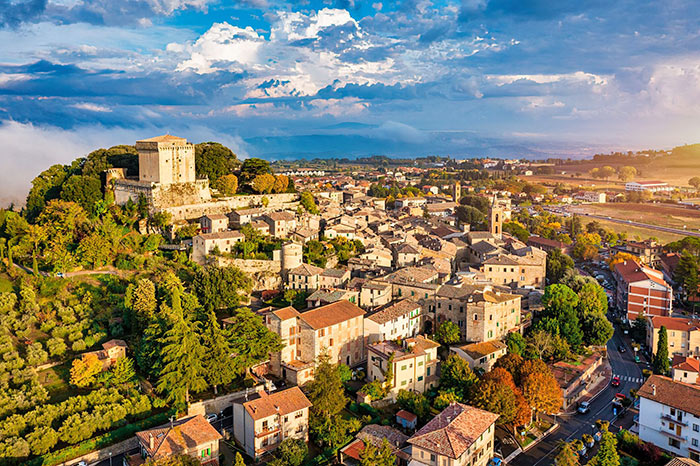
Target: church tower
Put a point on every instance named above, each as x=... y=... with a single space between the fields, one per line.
x=496 y=219
x=457 y=192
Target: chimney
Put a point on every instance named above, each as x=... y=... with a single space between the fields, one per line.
x=653 y=390
x=151 y=442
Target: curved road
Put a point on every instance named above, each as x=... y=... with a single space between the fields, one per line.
x=572 y=427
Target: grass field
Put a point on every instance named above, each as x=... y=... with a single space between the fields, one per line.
x=653 y=214
x=635 y=233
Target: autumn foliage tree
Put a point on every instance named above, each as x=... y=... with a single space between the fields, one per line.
x=84 y=370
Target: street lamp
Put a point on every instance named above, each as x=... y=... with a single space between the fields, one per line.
x=110 y=458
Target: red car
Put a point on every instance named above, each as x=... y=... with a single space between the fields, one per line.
x=615 y=382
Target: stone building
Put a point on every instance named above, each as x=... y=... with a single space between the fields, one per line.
x=413 y=364
x=213 y=223
x=166 y=175
x=205 y=244
x=281 y=223
x=481 y=312
x=306 y=277
x=399 y=319
x=335 y=328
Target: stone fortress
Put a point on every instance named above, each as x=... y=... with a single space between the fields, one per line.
x=167 y=180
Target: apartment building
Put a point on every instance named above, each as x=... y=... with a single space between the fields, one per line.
x=281 y=223
x=641 y=291
x=413 y=362
x=263 y=423
x=399 y=319
x=459 y=435
x=306 y=277
x=482 y=355
x=335 y=328
x=482 y=312
x=669 y=416
x=517 y=271
x=683 y=335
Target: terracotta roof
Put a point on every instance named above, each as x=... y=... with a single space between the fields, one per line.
x=306 y=270
x=186 y=434
x=479 y=350
x=112 y=343
x=394 y=310
x=503 y=259
x=281 y=216
x=630 y=271
x=454 y=430
x=282 y=402
x=683 y=324
x=538 y=240
x=682 y=462
x=335 y=273
x=331 y=314
x=222 y=235
x=410 y=417
x=286 y=313
x=483 y=247
x=164 y=138
x=374 y=434
x=679 y=395
x=684 y=363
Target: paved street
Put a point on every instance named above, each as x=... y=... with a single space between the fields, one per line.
x=575 y=425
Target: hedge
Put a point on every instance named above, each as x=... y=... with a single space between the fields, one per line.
x=99 y=442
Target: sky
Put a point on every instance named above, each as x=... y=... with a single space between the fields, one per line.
x=305 y=78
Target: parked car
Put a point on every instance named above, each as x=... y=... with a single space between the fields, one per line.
x=584 y=407
x=636 y=358
x=621 y=349
x=615 y=382
x=211 y=417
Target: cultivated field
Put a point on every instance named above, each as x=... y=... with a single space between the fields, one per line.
x=635 y=233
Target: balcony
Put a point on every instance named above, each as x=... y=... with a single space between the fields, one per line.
x=669 y=418
x=673 y=435
x=267 y=431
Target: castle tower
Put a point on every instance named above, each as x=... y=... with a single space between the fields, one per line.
x=457 y=191
x=292 y=257
x=165 y=160
x=496 y=219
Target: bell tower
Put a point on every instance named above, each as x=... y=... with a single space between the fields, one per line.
x=457 y=192
x=496 y=219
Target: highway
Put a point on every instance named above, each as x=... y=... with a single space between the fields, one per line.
x=677 y=231
x=573 y=426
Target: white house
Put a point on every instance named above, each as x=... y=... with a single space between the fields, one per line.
x=650 y=186
x=669 y=416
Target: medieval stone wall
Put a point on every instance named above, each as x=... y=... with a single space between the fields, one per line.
x=225 y=205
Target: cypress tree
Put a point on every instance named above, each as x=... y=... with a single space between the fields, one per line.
x=660 y=362
x=182 y=355
x=218 y=366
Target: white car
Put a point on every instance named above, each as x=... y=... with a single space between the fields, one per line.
x=211 y=417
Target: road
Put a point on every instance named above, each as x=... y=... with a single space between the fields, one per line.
x=677 y=231
x=573 y=426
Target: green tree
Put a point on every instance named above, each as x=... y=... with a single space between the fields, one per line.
x=448 y=333
x=292 y=452
x=221 y=287
x=253 y=167
x=251 y=342
x=413 y=402
x=471 y=216
x=326 y=392
x=557 y=265
x=687 y=273
x=481 y=203
x=372 y=455
x=45 y=187
x=308 y=202
x=516 y=343
x=123 y=370
x=42 y=439
x=218 y=367
x=183 y=355
x=83 y=190
x=140 y=298
x=607 y=452
x=456 y=375
x=567 y=456
x=214 y=161
x=660 y=361
x=517 y=230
